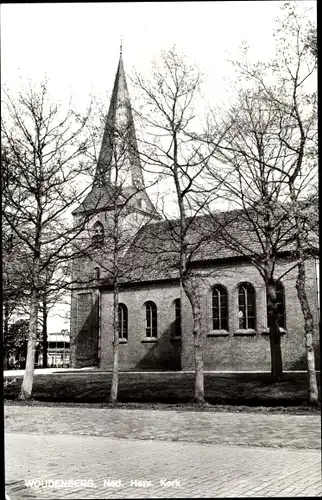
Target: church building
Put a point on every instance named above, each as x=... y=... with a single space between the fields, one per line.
x=154 y=314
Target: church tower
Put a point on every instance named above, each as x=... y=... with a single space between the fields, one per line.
x=119 y=167
x=119 y=160
x=118 y=185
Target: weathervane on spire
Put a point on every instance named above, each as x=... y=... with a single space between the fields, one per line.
x=121 y=45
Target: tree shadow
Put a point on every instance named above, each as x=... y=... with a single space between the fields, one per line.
x=164 y=354
x=301 y=363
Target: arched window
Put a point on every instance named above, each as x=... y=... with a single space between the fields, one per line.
x=151 y=319
x=280 y=304
x=177 y=318
x=246 y=306
x=98 y=234
x=123 y=322
x=96 y=273
x=219 y=308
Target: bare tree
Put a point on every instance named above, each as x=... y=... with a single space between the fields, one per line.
x=15 y=278
x=45 y=145
x=17 y=265
x=16 y=274
x=296 y=102
x=54 y=290
x=249 y=157
x=121 y=225
x=270 y=163
x=118 y=194
x=15 y=262
x=171 y=148
x=300 y=107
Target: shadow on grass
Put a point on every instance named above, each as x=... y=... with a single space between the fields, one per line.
x=247 y=390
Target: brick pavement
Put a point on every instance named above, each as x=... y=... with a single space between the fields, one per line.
x=242 y=429
x=198 y=470
x=196 y=448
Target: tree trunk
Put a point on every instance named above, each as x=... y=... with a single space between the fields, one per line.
x=5 y=334
x=27 y=383
x=199 y=395
x=309 y=331
x=199 y=370
x=44 y=334
x=116 y=327
x=306 y=310
x=274 y=331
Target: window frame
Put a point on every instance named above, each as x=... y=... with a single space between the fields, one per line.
x=98 y=234
x=223 y=319
x=245 y=318
x=96 y=273
x=123 y=319
x=151 y=320
x=177 y=331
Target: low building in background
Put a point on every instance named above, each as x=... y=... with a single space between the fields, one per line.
x=58 y=350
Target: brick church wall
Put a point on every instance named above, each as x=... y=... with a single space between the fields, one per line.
x=251 y=352
x=91 y=320
x=221 y=352
x=140 y=352
x=84 y=329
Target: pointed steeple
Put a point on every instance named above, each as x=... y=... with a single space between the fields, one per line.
x=119 y=161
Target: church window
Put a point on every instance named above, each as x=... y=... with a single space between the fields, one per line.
x=246 y=307
x=280 y=304
x=219 y=308
x=98 y=235
x=151 y=319
x=96 y=273
x=123 y=321
x=177 y=321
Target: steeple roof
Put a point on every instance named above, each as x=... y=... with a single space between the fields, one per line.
x=119 y=161
x=118 y=173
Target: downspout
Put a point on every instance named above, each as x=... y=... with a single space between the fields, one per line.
x=317 y=280
x=98 y=295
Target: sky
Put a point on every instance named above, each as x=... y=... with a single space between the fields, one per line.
x=76 y=46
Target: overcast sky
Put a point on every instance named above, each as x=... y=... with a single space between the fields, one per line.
x=77 y=45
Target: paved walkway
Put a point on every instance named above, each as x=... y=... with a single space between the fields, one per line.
x=242 y=429
x=71 y=451
x=95 y=467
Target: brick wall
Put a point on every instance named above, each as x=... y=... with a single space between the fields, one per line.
x=84 y=317
x=221 y=352
x=138 y=352
x=84 y=331
x=250 y=352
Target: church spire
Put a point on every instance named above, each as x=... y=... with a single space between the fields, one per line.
x=119 y=160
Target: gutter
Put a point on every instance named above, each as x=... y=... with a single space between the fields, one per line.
x=129 y=284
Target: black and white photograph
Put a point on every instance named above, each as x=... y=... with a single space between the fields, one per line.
x=160 y=250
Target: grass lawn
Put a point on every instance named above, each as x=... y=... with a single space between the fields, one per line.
x=247 y=389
